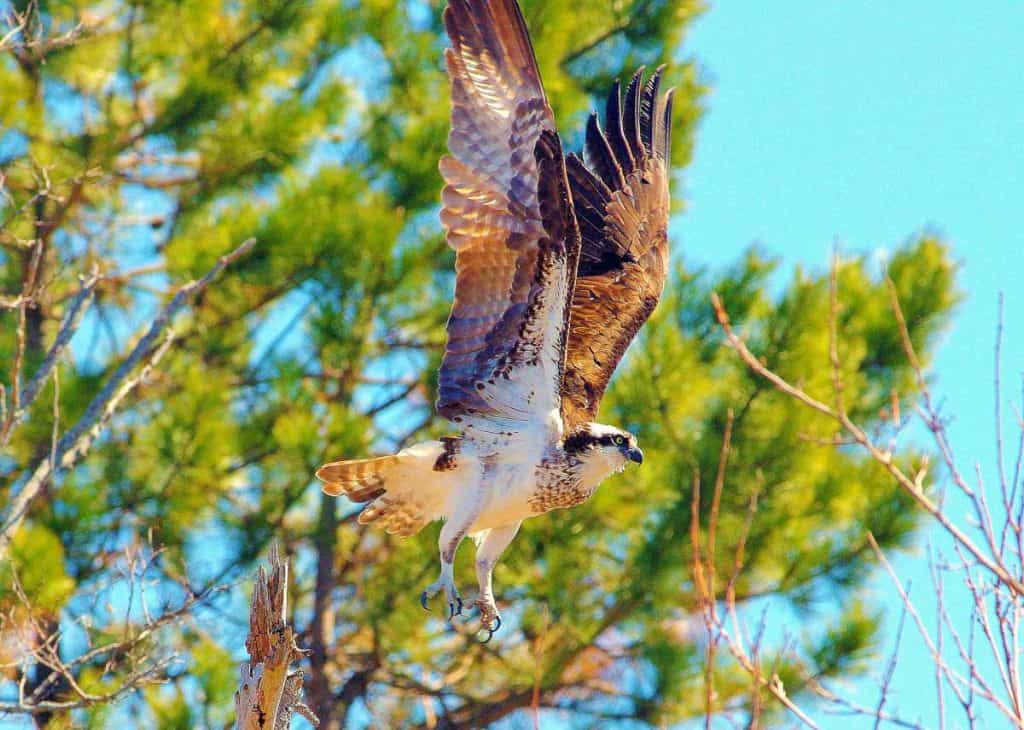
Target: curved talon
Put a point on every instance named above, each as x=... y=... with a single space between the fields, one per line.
x=491 y=630
x=451 y=596
x=455 y=609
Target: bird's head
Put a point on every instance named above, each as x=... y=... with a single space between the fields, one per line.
x=603 y=447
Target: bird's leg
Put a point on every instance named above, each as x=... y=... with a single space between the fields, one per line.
x=488 y=551
x=451 y=535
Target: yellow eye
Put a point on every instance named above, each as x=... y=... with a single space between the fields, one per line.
x=619 y=440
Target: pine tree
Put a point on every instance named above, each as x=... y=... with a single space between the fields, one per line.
x=146 y=139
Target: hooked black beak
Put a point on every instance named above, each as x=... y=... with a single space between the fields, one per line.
x=636 y=455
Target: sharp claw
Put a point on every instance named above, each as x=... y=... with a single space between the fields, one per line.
x=491 y=630
x=423 y=601
x=458 y=611
x=451 y=611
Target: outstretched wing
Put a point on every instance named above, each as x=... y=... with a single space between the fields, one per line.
x=507 y=214
x=621 y=198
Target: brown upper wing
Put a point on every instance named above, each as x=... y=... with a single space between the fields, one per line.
x=507 y=214
x=621 y=198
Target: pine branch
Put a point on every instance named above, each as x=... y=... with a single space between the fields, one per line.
x=79 y=306
x=76 y=443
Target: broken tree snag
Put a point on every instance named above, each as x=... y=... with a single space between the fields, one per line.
x=269 y=694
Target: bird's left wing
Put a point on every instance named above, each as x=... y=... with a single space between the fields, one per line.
x=621 y=200
x=508 y=215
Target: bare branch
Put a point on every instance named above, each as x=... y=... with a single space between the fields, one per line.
x=890 y=669
x=64 y=673
x=16 y=23
x=68 y=451
x=951 y=675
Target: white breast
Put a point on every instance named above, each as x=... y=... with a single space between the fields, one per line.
x=508 y=476
x=506 y=499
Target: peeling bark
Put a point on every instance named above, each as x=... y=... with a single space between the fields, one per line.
x=269 y=693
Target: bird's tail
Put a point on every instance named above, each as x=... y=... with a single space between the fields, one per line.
x=361 y=480
x=405 y=490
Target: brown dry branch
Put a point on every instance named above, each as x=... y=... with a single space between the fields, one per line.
x=79 y=439
x=976 y=661
x=270 y=693
x=11 y=302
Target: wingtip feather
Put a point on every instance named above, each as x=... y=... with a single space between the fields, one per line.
x=667 y=150
x=650 y=108
x=631 y=114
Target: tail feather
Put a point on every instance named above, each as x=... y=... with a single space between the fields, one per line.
x=405 y=490
x=361 y=480
x=394 y=516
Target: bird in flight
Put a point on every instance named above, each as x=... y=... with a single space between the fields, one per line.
x=559 y=262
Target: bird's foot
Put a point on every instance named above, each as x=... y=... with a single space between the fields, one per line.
x=446 y=584
x=490 y=619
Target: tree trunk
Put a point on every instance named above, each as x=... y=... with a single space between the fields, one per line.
x=322 y=624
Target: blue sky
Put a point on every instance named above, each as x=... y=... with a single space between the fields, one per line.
x=861 y=123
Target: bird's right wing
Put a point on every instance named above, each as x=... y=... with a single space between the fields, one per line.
x=508 y=215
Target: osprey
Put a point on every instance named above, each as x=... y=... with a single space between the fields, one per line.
x=559 y=262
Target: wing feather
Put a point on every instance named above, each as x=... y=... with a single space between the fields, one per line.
x=631 y=115
x=616 y=134
x=507 y=213
x=621 y=199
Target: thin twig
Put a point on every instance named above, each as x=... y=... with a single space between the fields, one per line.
x=701 y=589
x=16 y=23
x=833 y=333
x=716 y=500
x=890 y=670
x=69 y=450
x=937 y=583
x=713 y=623
x=923 y=630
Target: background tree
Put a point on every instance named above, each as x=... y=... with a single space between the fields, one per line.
x=145 y=140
